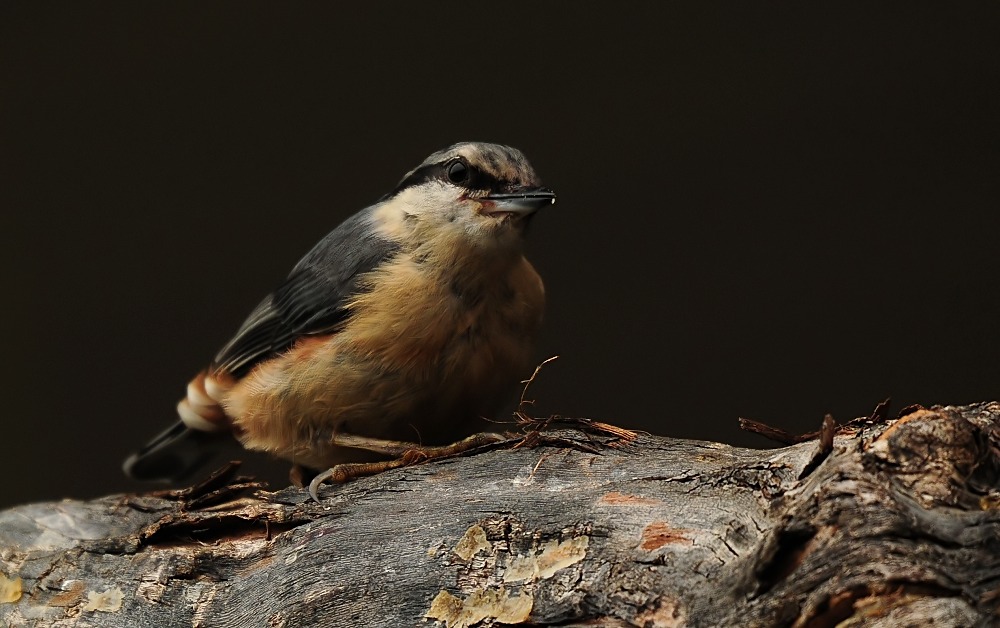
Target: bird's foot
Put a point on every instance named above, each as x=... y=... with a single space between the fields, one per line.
x=412 y=454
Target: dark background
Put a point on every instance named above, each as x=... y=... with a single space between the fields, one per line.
x=763 y=212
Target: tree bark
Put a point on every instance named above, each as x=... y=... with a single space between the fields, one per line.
x=890 y=523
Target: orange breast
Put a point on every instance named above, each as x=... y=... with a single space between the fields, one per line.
x=418 y=352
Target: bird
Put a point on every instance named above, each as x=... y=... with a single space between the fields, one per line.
x=411 y=319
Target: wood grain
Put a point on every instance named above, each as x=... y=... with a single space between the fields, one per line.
x=897 y=524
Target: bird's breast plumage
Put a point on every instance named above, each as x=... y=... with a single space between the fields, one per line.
x=425 y=348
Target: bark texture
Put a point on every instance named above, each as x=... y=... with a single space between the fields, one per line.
x=893 y=523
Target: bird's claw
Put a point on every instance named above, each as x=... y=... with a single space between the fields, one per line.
x=329 y=474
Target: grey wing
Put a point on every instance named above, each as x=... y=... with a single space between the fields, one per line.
x=312 y=298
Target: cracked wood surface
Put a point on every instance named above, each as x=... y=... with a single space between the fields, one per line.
x=898 y=524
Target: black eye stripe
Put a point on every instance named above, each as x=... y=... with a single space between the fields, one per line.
x=477 y=179
x=417 y=177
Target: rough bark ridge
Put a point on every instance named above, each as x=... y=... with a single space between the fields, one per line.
x=896 y=524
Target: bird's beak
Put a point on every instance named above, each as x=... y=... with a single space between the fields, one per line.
x=521 y=203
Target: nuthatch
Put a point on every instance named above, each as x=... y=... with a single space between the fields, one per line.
x=414 y=317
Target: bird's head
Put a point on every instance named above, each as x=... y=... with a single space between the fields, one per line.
x=484 y=193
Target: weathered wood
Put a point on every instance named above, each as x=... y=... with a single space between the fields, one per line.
x=896 y=524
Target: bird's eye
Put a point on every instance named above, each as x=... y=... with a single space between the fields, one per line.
x=458 y=172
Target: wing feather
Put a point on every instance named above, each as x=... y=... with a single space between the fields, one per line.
x=312 y=299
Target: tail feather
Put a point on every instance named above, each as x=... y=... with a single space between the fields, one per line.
x=189 y=443
x=173 y=454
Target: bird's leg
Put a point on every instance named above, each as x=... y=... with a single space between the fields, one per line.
x=406 y=454
x=375 y=445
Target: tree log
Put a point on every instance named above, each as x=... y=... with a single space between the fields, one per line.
x=875 y=523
